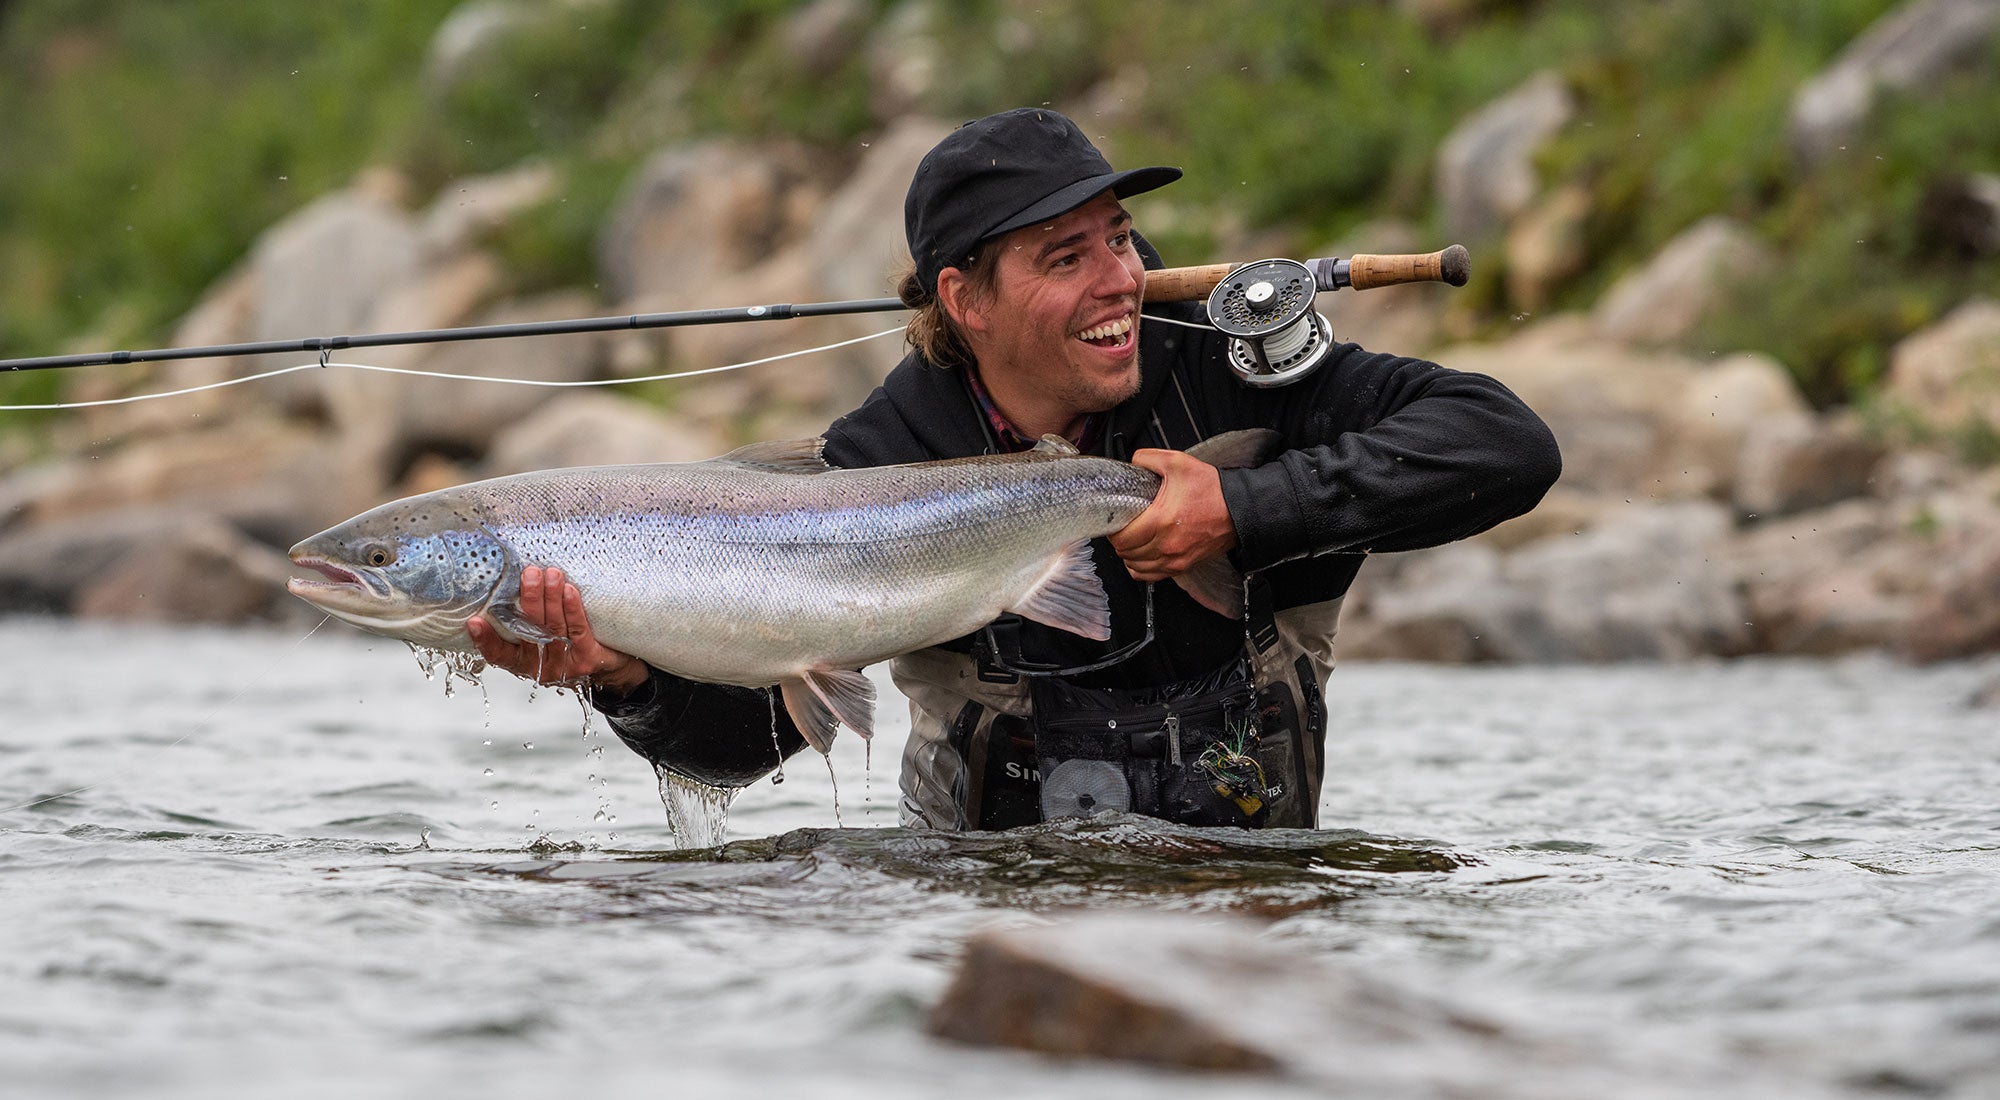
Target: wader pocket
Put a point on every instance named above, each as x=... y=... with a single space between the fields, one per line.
x=1186 y=752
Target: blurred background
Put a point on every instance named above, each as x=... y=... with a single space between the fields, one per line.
x=1741 y=256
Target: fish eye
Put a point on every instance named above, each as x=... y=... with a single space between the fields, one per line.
x=380 y=555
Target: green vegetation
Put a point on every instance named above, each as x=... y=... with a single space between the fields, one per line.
x=146 y=145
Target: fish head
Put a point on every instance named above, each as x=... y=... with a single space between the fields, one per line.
x=414 y=569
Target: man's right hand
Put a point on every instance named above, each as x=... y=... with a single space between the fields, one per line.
x=549 y=601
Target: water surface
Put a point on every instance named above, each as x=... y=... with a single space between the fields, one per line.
x=300 y=869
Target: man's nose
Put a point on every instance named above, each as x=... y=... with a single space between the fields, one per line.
x=1115 y=277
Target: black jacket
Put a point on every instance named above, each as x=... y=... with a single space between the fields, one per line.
x=1385 y=453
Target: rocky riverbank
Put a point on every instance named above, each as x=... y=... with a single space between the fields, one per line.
x=1706 y=508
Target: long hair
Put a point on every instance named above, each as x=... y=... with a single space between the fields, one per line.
x=931 y=330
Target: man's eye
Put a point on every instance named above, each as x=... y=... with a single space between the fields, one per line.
x=1121 y=241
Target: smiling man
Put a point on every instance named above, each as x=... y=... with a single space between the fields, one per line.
x=1027 y=284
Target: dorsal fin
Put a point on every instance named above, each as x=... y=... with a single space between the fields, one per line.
x=1056 y=445
x=781 y=456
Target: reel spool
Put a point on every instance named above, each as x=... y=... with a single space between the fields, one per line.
x=1267 y=309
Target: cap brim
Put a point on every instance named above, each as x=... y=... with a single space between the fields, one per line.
x=1132 y=181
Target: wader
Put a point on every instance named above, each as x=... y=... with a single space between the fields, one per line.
x=990 y=748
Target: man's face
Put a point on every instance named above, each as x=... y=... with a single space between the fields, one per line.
x=1064 y=318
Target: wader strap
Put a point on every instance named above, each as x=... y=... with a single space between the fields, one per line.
x=1260 y=617
x=999 y=649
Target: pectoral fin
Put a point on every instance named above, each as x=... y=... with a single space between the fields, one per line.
x=1069 y=596
x=826 y=698
x=508 y=618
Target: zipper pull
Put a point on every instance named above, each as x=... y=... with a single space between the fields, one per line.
x=1174 y=739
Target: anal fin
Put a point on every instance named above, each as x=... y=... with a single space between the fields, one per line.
x=1069 y=596
x=1215 y=584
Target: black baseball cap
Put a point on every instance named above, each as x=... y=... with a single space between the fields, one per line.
x=1002 y=172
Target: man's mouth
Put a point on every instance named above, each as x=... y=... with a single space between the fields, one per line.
x=1111 y=334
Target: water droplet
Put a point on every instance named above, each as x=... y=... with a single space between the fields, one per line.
x=527 y=744
x=488 y=771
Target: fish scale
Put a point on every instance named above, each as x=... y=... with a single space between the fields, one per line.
x=764 y=566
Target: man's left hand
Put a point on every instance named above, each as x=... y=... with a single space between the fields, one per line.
x=1186 y=523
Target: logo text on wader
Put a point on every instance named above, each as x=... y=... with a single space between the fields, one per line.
x=1022 y=771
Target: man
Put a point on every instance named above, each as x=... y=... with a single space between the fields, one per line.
x=1027 y=287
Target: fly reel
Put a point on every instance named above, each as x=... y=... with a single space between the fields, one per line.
x=1266 y=308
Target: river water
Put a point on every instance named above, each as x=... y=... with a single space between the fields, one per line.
x=300 y=869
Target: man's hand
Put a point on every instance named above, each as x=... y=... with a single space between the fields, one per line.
x=551 y=602
x=1186 y=523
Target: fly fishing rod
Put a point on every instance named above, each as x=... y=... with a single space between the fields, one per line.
x=1267 y=307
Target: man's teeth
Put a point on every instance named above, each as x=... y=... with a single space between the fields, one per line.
x=1119 y=327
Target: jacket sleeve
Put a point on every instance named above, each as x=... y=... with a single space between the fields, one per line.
x=716 y=734
x=1390 y=453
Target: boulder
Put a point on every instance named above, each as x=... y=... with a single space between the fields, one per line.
x=905 y=60
x=43 y=567
x=1794 y=462
x=1602 y=400
x=823 y=34
x=1208 y=994
x=598 y=429
x=1832 y=581
x=406 y=416
x=1707 y=426
x=1665 y=300
x=466 y=210
x=1640 y=582
x=1546 y=247
x=697 y=212
x=468 y=35
x=1913 y=49
x=1962 y=617
x=1948 y=375
x=200 y=571
x=1485 y=167
x=322 y=272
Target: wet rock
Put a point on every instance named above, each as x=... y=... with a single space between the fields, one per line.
x=1665 y=300
x=1948 y=375
x=596 y=429
x=1485 y=167
x=697 y=212
x=1192 y=994
x=1913 y=48
x=200 y=571
x=1792 y=463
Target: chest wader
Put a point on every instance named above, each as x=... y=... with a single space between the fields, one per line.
x=992 y=748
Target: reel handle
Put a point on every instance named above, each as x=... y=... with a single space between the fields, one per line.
x=1362 y=272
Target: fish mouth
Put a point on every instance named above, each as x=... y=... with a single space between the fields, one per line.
x=337 y=578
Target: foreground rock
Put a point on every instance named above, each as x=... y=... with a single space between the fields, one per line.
x=1216 y=995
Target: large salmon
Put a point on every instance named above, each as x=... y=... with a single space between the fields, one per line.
x=763 y=566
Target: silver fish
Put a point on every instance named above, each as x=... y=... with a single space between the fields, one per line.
x=762 y=567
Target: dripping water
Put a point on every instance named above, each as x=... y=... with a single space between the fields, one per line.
x=697 y=814
x=771 y=696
